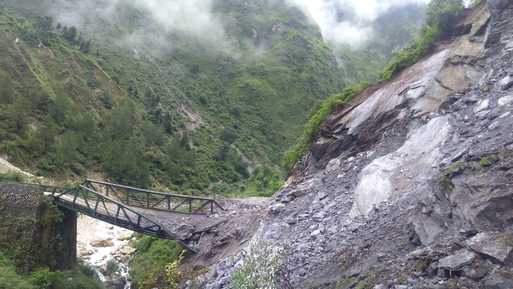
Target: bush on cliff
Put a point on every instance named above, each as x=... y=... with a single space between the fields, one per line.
x=437 y=24
x=318 y=115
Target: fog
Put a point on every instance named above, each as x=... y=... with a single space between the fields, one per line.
x=341 y=21
x=161 y=17
x=348 y=21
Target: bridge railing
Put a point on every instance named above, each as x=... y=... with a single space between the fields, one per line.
x=96 y=205
x=154 y=200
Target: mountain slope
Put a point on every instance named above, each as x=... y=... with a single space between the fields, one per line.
x=185 y=117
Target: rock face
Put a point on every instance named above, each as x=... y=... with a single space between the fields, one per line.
x=411 y=185
x=38 y=234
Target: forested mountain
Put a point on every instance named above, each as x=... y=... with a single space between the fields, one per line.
x=209 y=102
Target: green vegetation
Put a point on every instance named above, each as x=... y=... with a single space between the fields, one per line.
x=183 y=119
x=79 y=278
x=9 y=278
x=440 y=18
x=12 y=177
x=259 y=268
x=153 y=263
x=319 y=114
x=488 y=161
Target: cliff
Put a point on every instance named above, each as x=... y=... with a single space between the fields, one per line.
x=410 y=184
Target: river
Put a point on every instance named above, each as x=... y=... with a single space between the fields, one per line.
x=106 y=248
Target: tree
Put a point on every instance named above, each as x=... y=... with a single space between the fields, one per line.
x=124 y=161
x=60 y=109
x=6 y=88
x=107 y=100
x=44 y=23
x=123 y=121
x=437 y=8
x=85 y=46
x=71 y=34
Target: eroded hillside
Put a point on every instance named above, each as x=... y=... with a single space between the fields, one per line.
x=410 y=184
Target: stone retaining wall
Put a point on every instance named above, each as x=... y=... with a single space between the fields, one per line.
x=35 y=232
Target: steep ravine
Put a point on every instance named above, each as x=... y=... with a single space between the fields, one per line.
x=411 y=185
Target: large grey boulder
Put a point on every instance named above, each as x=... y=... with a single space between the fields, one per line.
x=457 y=261
x=498 y=246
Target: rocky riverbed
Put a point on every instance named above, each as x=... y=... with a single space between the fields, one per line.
x=106 y=248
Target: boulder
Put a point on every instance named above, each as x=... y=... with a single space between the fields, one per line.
x=457 y=261
x=499 y=280
x=498 y=246
x=477 y=271
x=277 y=208
x=427 y=229
x=102 y=243
x=125 y=236
x=506 y=83
x=506 y=100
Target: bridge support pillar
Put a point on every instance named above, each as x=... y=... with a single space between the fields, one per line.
x=35 y=232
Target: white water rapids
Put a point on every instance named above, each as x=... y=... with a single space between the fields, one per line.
x=100 y=245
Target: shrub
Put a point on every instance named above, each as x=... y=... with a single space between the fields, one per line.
x=9 y=279
x=173 y=274
x=75 y=279
x=12 y=177
x=148 y=266
x=259 y=268
x=263 y=182
x=44 y=278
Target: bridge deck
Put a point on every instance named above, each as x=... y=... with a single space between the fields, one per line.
x=196 y=231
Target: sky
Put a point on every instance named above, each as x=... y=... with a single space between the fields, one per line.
x=355 y=31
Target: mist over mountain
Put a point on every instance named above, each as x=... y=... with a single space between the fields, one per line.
x=350 y=21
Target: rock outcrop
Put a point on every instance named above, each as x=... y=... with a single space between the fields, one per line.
x=411 y=185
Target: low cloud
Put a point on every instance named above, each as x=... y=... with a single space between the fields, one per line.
x=348 y=21
x=193 y=18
